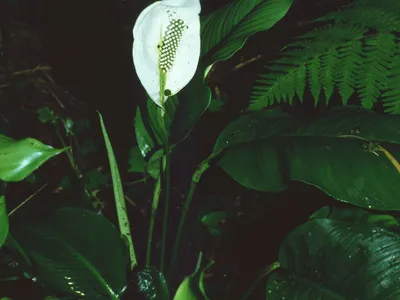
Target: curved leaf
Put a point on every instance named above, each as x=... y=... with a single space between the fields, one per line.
x=194 y=100
x=225 y=31
x=76 y=253
x=3 y=220
x=143 y=138
x=20 y=158
x=331 y=259
x=355 y=214
x=193 y=287
x=351 y=154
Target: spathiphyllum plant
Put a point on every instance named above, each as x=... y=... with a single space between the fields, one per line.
x=346 y=247
x=166 y=47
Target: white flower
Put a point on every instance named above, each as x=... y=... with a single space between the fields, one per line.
x=166 y=46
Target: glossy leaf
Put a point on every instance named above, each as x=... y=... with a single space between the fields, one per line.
x=20 y=158
x=4 y=226
x=192 y=287
x=76 y=253
x=194 y=100
x=143 y=138
x=355 y=214
x=331 y=259
x=351 y=154
x=224 y=31
x=152 y=285
x=186 y=291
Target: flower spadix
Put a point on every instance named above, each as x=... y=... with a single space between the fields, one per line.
x=166 y=46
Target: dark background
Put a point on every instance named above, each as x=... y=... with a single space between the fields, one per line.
x=88 y=44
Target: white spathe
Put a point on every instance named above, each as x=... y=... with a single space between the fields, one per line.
x=166 y=46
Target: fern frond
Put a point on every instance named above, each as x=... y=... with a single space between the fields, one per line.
x=373 y=77
x=347 y=55
x=350 y=56
x=375 y=14
x=391 y=96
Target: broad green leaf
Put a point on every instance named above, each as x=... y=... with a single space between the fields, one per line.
x=152 y=285
x=20 y=158
x=120 y=204
x=355 y=214
x=136 y=161
x=331 y=259
x=224 y=31
x=77 y=253
x=3 y=220
x=351 y=154
x=194 y=100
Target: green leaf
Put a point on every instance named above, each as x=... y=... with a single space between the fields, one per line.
x=77 y=253
x=122 y=213
x=194 y=100
x=351 y=154
x=153 y=166
x=192 y=287
x=224 y=31
x=186 y=291
x=136 y=162
x=13 y=265
x=213 y=220
x=152 y=285
x=355 y=214
x=145 y=141
x=20 y=158
x=95 y=178
x=331 y=259
x=4 y=226
x=46 y=115
x=160 y=120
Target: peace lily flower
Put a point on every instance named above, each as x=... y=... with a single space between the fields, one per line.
x=166 y=47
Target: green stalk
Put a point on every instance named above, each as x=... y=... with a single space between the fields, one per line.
x=167 y=165
x=195 y=180
x=166 y=207
x=122 y=213
x=70 y=158
x=156 y=197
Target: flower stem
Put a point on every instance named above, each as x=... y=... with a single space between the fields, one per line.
x=154 y=205
x=167 y=161
x=195 y=180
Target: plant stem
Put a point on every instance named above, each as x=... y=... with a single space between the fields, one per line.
x=195 y=180
x=156 y=197
x=166 y=204
x=70 y=158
